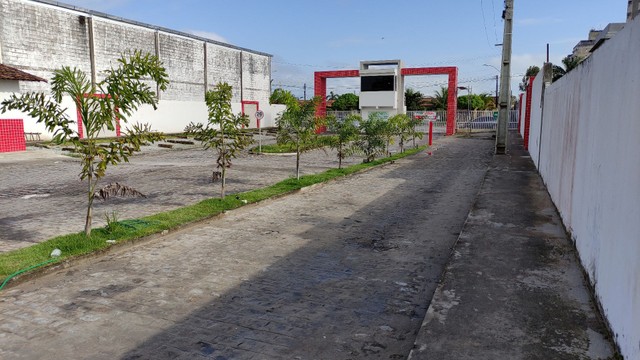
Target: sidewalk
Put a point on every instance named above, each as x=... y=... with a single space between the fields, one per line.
x=513 y=288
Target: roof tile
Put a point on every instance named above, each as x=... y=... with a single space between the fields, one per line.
x=9 y=73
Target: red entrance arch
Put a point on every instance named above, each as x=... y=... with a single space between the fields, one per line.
x=320 y=85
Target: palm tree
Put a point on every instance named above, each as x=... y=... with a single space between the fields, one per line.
x=123 y=90
x=440 y=99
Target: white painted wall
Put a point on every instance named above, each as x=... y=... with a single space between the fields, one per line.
x=171 y=116
x=535 y=117
x=589 y=159
x=521 y=113
x=373 y=99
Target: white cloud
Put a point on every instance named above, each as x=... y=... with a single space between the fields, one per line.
x=209 y=35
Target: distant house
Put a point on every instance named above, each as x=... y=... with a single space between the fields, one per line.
x=630 y=11
x=10 y=76
x=12 y=136
x=582 y=49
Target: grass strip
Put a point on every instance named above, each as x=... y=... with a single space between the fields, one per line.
x=287 y=148
x=74 y=245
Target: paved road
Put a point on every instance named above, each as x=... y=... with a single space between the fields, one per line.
x=339 y=271
x=44 y=197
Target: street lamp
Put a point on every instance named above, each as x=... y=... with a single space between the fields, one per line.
x=498 y=70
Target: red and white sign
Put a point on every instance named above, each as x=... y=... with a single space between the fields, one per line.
x=430 y=115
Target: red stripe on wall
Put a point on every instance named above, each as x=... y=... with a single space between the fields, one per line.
x=12 y=135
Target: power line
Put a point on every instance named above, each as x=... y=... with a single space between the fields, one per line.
x=484 y=21
x=495 y=25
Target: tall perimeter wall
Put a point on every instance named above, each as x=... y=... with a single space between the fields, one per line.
x=585 y=140
x=41 y=36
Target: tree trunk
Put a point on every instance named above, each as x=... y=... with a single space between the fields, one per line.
x=224 y=162
x=224 y=177
x=340 y=156
x=89 y=218
x=297 y=160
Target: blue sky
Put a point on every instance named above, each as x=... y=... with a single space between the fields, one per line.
x=306 y=36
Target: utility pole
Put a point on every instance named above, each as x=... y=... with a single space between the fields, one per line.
x=497 y=91
x=505 y=80
x=305 y=91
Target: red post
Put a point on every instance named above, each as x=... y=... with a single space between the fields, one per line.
x=430 y=133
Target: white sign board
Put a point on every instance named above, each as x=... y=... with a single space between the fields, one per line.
x=431 y=115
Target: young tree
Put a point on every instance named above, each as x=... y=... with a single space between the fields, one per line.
x=391 y=130
x=297 y=125
x=371 y=141
x=405 y=128
x=346 y=131
x=412 y=132
x=122 y=91
x=223 y=131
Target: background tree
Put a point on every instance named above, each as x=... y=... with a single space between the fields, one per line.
x=223 y=131
x=531 y=71
x=413 y=100
x=557 y=72
x=346 y=102
x=345 y=130
x=371 y=141
x=474 y=101
x=124 y=88
x=332 y=96
x=284 y=97
x=297 y=125
x=571 y=62
x=440 y=99
x=488 y=100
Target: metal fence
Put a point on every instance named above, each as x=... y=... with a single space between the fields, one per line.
x=483 y=119
x=465 y=120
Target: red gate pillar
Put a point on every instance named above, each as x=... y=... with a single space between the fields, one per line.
x=452 y=101
x=320 y=90
x=527 y=115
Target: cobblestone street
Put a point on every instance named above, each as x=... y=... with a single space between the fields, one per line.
x=339 y=271
x=43 y=198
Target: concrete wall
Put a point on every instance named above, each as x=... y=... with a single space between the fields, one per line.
x=588 y=138
x=38 y=38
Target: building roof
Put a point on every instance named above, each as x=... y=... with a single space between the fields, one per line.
x=145 y=25
x=607 y=33
x=9 y=73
